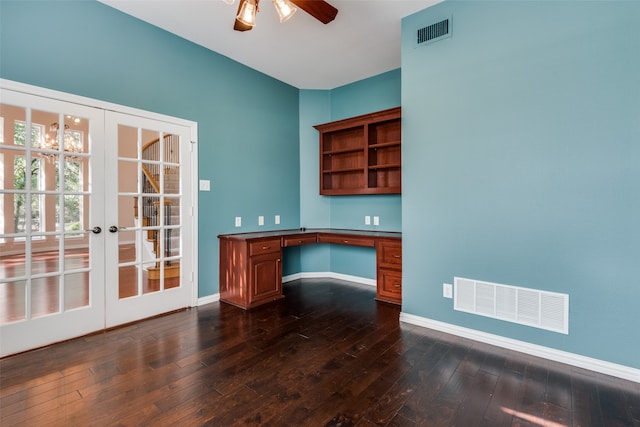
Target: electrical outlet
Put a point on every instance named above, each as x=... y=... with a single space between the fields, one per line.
x=238 y=221
x=367 y=220
x=376 y=220
x=205 y=185
x=261 y=220
x=277 y=219
x=447 y=290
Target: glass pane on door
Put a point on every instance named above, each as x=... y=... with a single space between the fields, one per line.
x=149 y=206
x=44 y=261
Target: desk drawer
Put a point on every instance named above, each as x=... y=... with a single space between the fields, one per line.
x=391 y=282
x=258 y=247
x=390 y=253
x=346 y=240
x=389 y=286
x=299 y=240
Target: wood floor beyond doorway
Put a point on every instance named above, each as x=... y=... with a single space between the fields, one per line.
x=327 y=354
x=45 y=292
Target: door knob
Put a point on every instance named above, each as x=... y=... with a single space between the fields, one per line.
x=95 y=230
x=113 y=229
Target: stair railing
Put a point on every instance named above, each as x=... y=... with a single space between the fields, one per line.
x=151 y=185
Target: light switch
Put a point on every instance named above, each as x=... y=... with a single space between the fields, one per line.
x=277 y=219
x=205 y=185
x=261 y=220
x=238 y=221
x=447 y=290
x=367 y=220
x=376 y=220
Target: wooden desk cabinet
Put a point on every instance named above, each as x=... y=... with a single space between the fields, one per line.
x=251 y=263
x=250 y=271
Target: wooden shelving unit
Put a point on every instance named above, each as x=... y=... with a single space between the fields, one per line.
x=361 y=155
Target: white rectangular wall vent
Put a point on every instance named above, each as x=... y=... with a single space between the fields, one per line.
x=531 y=307
x=434 y=32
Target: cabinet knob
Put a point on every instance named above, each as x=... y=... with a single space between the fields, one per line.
x=266 y=247
x=397 y=286
x=396 y=256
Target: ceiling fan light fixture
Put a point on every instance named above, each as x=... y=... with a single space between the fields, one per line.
x=247 y=14
x=285 y=9
x=229 y=1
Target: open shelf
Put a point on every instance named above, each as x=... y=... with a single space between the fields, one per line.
x=343 y=170
x=361 y=155
x=385 y=144
x=344 y=151
x=389 y=166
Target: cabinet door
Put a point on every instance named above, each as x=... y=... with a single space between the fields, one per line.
x=266 y=278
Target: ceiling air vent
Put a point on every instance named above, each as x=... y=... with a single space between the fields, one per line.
x=434 y=32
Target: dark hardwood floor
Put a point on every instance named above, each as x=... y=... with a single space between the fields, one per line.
x=326 y=355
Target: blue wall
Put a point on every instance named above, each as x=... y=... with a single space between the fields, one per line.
x=316 y=107
x=89 y=49
x=521 y=151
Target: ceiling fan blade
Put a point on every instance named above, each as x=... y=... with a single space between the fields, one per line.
x=239 y=26
x=319 y=9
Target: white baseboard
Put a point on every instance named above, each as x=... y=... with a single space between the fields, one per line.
x=208 y=299
x=329 y=275
x=608 y=368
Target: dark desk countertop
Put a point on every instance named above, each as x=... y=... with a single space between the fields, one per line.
x=302 y=232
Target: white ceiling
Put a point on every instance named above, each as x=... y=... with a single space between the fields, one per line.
x=363 y=40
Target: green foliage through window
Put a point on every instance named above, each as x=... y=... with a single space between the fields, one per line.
x=20 y=172
x=71 y=218
x=20 y=133
x=72 y=203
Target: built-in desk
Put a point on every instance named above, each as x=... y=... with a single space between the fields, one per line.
x=251 y=263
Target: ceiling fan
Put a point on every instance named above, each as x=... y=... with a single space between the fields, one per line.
x=247 y=9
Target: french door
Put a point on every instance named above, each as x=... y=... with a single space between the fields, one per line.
x=149 y=219
x=51 y=230
x=97 y=225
